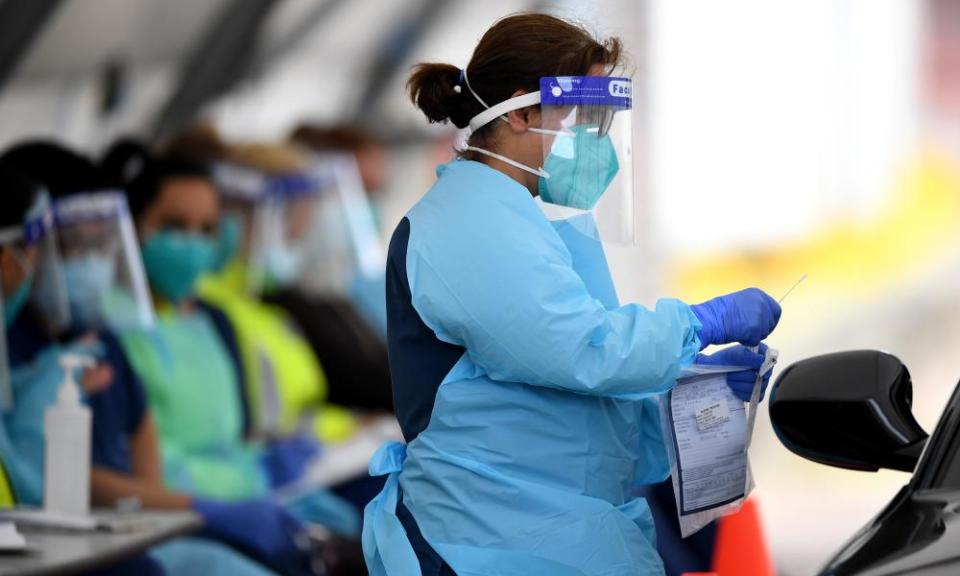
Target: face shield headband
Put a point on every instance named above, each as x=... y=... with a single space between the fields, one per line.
x=598 y=92
x=37 y=222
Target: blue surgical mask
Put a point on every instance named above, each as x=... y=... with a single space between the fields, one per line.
x=174 y=261
x=14 y=304
x=581 y=165
x=88 y=281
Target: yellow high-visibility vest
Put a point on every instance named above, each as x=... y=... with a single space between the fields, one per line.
x=284 y=378
x=7 y=499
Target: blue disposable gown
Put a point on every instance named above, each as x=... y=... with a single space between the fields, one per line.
x=549 y=419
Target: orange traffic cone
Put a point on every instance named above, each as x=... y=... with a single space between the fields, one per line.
x=741 y=549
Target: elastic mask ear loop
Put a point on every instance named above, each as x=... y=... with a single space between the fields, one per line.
x=536 y=172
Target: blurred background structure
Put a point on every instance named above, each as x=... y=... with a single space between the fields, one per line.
x=776 y=139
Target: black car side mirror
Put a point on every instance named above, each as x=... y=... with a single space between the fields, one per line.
x=849 y=409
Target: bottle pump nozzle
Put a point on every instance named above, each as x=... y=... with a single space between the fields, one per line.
x=69 y=393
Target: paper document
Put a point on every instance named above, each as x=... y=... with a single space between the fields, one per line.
x=343 y=461
x=709 y=433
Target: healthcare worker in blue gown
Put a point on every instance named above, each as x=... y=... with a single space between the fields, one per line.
x=526 y=393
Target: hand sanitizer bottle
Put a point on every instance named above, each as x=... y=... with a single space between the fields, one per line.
x=66 y=479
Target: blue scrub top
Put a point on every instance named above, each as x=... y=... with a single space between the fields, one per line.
x=419 y=360
x=117 y=411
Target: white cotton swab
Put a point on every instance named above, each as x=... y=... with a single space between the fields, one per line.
x=797 y=283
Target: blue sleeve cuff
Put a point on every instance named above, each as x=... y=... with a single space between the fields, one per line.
x=678 y=349
x=690 y=326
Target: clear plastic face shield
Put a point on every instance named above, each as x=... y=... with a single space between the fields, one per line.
x=33 y=277
x=276 y=213
x=588 y=153
x=241 y=190
x=587 y=166
x=344 y=243
x=102 y=267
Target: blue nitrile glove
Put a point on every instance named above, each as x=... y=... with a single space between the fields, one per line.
x=262 y=528
x=746 y=317
x=286 y=459
x=741 y=383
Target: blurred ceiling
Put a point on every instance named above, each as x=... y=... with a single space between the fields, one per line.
x=323 y=59
x=82 y=35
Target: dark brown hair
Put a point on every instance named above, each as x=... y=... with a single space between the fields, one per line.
x=349 y=137
x=200 y=143
x=512 y=55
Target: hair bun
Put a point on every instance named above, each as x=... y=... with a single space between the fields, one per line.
x=435 y=89
x=511 y=58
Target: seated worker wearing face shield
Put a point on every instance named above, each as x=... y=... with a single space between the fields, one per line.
x=25 y=244
x=351 y=259
x=270 y=195
x=339 y=300
x=105 y=294
x=37 y=334
x=527 y=393
x=192 y=379
x=269 y=214
x=352 y=356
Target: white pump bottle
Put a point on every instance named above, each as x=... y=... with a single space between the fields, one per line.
x=67 y=430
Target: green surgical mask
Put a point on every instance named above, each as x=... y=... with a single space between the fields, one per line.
x=581 y=165
x=174 y=261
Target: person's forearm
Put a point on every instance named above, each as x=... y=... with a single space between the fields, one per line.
x=108 y=486
x=145 y=459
